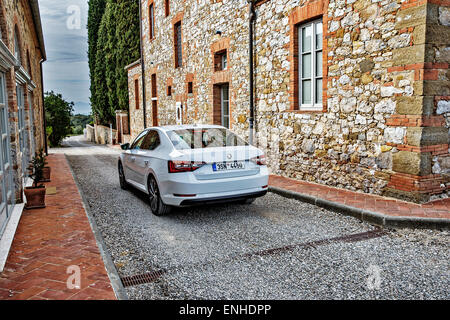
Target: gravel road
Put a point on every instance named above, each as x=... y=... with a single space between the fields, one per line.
x=224 y=251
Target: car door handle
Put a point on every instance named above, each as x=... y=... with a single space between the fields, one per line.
x=133 y=159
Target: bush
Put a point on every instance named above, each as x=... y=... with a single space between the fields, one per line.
x=58 y=114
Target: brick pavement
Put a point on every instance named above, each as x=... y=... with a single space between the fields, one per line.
x=374 y=203
x=50 y=240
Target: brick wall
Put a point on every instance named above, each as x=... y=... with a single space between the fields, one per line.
x=16 y=17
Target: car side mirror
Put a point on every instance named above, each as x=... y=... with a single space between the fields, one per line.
x=125 y=146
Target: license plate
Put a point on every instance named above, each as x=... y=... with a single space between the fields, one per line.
x=226 y=166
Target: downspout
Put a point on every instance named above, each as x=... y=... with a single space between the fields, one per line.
x=252 y=17
x=44 y=123
x=142 y=67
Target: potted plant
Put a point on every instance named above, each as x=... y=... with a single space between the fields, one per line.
x=36 y=194
x=46 y=172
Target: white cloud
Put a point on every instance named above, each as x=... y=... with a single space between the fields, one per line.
x=66 y=70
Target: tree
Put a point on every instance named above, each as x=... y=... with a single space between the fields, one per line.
x=78 y=122
x=95 y=14
x=117 y=45
x=127 y=47
x=57 y=114
x=101 y=105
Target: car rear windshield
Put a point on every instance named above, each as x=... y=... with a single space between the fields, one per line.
x=204 y=138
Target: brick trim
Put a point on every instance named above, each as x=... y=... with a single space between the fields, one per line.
x=178 y=19
x=169 y=83
x=435 y=150
x=3 y=25
x=299 y=15
x=150 y=3
x=398 y=120
x=429 y=184
x=190 y=78
x=166 y=8
x=19 y=32
x=217 y=78
x=218 y=46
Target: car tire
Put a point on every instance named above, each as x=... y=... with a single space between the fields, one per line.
x=158 y=207
x=123 y=182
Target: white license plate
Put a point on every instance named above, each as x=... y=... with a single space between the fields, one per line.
x=226 y=166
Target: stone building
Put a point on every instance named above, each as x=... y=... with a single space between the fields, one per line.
x=21 y=99
x=349 y=93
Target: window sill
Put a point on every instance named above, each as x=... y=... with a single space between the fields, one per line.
x=307 y=111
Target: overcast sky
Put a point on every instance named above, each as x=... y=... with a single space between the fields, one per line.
x=66 y=70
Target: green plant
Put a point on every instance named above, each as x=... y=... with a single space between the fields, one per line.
x=58 y=113
x=113 y=37
x=37 y=165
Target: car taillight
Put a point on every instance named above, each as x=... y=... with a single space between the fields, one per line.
x=184 y=166
x=260 y=161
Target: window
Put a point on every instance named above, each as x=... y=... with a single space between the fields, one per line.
x=204 y=138
x=151 y=141
x=17 y=54
x=225 y=105
x=310 y=65
x=167 y=7
x=151 y=22
x=29 y=64
x=7 y=196
x=136 y=94
x=31 y=122
x=138 y=141
x=23 y=134
x=190 y=87
x=178 y=49
x=169 y=91
x=220 y=60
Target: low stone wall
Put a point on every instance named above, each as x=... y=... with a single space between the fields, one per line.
x=89 y=133
x=103 y=135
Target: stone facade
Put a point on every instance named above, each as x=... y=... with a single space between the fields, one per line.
x=21 y=31
x=383 y=125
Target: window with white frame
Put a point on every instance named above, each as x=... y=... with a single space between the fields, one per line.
x=31 y=125
x=310 y=65
x=23 y=134
x=17 y=52
x=7 y=196
x=225 y=105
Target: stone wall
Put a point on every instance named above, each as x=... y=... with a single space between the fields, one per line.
x=104 y=135
x=16 y=17
x=383 y=126
x=89 y=133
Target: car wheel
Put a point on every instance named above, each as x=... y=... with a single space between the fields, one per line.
x=123 y=182
x=156 y=204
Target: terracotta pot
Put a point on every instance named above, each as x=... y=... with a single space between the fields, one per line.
x=35 y=197
x=46 y=172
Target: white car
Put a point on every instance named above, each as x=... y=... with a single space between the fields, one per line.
x=192 y=164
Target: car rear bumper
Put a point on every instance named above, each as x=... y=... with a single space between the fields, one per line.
x=184 y=189
x=223 y=199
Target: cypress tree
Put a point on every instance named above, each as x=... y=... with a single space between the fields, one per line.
x=117 y=46
x=95 y=14
x=99 y=80
x=127 y=47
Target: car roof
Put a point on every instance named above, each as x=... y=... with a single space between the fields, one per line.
x=186 y=126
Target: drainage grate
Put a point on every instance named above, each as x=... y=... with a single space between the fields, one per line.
x=142 y=278
x=153 y=276
x=376 y=233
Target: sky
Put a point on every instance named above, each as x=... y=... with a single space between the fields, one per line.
x=66 y=70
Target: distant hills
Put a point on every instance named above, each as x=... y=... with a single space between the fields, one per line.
x=82 y=108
